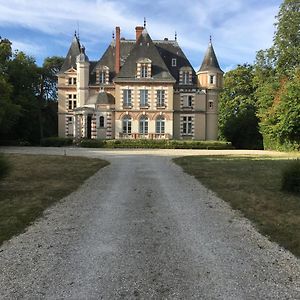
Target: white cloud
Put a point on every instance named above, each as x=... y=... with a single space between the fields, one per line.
x=29 y=48
x=239 y=28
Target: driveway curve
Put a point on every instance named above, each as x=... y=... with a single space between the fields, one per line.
x=142 y=229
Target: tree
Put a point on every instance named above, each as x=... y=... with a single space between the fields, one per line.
x=237 y=110
x=287 y=37
x=9 y=112
x=276 y=75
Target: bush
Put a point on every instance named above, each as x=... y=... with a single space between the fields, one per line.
x=92 y=143
x=4 y=167
x=56 y=142
x=155 y=144
x=291 y=177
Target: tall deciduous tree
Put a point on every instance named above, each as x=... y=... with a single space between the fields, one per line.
x=237 y=110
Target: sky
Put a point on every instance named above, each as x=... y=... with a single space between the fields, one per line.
x=239 y=28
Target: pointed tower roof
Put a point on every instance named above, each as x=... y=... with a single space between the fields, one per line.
x=210 y=61
x=70 y=60
x=145 y=49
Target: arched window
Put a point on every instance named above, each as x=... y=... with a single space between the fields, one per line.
x=144 y=125
x=127 y=125
x=160 y=125
x=101 y=122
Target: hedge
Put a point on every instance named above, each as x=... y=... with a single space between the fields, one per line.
x=290 y=181
x=158 y=144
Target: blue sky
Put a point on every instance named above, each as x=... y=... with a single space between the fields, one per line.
x=239 y=28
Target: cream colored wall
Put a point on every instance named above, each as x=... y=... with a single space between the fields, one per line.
x=200 y=127
x=200 y=102
x=176 y=126
x=212 y=126
x=61 y=125
x=82 y=83
x=152 y=93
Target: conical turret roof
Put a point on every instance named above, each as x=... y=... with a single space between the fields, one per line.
x=210 y=61
x=70 y=60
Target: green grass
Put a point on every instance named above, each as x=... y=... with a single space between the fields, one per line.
x=253 y=186
x=36 y=182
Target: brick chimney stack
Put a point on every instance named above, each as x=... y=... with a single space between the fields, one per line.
x=117 y=57
x=138 y=31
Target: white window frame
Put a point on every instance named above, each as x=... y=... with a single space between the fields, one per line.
x=143 y=125
x=144 y=71
x=187 y=124
x=160 y=125
x=127 y=97
x=102 y=77
x=186 y=77
x=160 y=98
x=211 y=104
x=144 y=98
x=126 y=125
x=174 y=62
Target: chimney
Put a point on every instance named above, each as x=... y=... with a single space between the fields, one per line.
x=117 y=53
x=138 y=31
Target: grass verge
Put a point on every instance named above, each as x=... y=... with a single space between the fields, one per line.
x=253 y=186
x=34 y=183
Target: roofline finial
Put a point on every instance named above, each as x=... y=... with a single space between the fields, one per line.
x=145 y=22
x=113 y=35
x=176 y=36
x=210 y=38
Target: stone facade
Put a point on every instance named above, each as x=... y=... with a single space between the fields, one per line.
x=138 y=89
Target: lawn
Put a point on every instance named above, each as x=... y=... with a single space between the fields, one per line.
x=253 y=186
x=36 y=182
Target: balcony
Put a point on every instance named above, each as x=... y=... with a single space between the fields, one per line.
x=149 y=136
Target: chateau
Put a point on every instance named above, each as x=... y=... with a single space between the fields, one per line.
x=140 y=88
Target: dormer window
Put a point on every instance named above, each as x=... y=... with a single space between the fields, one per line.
x=185 y=78
x=144 y=71
x=102 y=75
x=174 y=62
x=143 y=68
x=185 y=75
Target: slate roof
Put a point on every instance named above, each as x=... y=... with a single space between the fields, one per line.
x=101 y=98
x=210 y=61
x=74 y=51
x=108 y=58
x=144 y=48
x=169 y=49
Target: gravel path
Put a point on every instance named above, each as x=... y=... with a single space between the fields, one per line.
x=142 y=229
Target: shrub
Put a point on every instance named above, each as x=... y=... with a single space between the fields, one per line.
x=4 y=167
x=56 y=142
x=291 y=177
x=154 y=144
x=92 y=143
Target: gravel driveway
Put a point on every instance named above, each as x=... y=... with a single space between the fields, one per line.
x=142 y=229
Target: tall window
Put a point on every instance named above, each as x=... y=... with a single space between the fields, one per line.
x=186 y=78
x=187 y=125
x=127 y=125
x=102 y=77
x=144 y=71
x=143 y=98
x=72 y=104
x=211 y=79
x=144 y=125
x=174 y=62
x=160 y=125
x=160 y=98
x=187 y=101
x=127 y=97
x=101 y=122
